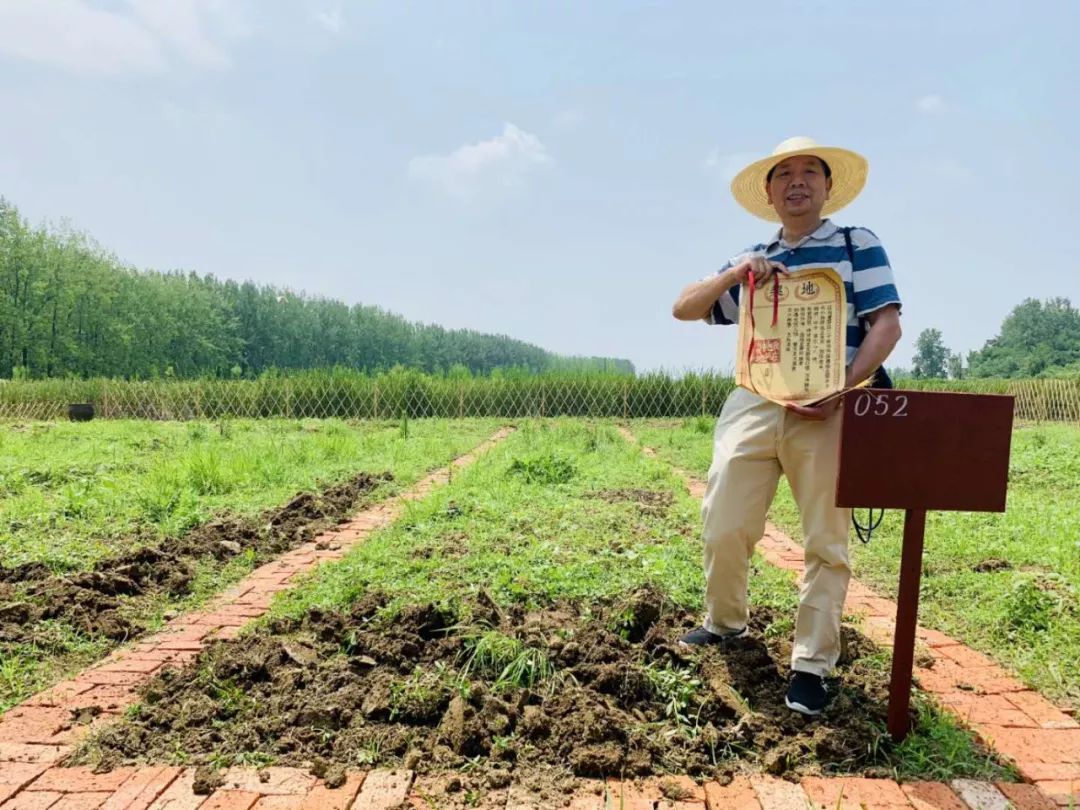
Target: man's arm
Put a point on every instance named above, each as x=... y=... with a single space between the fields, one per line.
x=877 y=345
x=696 y=301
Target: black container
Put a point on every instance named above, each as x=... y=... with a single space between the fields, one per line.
x=81 y=412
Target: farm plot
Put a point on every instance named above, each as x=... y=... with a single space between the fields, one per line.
x=520 y=624
x=106 y=528
x=1006 y=584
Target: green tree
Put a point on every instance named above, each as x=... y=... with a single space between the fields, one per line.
x=69 y=307
x=930 y=355
x=1037 y=339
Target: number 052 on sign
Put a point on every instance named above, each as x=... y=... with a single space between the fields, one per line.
x=793 y=337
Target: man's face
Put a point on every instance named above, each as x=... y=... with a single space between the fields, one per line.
x=799 y=187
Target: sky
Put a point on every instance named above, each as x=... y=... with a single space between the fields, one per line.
x=554 y=171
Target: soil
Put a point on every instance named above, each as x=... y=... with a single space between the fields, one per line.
x=991 y=565
x=94 y=602
x=370 y=687
x=649 y=501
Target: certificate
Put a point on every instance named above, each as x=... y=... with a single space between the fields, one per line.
x=792 y=341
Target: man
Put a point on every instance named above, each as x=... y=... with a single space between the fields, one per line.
x=756 y=440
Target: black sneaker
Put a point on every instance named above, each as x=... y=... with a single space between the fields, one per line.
x=702 y=637
x=806 y=694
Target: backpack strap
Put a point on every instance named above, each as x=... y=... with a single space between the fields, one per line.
x=881 y=377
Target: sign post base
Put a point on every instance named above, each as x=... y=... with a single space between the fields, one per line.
x=907 y=611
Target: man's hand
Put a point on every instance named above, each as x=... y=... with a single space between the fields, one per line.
x=816 y=413
x=697 y=300
x=755 y=263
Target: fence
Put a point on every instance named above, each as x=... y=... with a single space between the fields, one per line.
x=416 y=395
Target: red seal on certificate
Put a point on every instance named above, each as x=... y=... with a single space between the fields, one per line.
x=766 y=351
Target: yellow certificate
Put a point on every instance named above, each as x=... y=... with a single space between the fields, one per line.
x=800 y=359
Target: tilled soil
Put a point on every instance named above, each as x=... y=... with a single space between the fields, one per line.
x=648 y=501
x=368 y=687
x=93 y=601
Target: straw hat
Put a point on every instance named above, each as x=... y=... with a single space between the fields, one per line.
x=848 y=176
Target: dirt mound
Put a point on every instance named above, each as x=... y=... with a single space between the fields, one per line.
x=992 y=564
x=649 y=501
x=93 y=601
x=563 y=691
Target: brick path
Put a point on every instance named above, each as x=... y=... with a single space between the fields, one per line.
x=36 y=735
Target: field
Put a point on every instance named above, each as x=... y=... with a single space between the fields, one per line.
x=519 y=622
x=107 y=527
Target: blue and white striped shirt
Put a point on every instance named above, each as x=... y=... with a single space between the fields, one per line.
x=869 y=284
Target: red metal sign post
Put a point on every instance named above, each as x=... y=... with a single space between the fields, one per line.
x=920 y=451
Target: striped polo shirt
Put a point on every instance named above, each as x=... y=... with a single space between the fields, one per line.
x=869 y=283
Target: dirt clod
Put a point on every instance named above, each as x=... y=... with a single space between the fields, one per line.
x=335 y=688
x=93 y=602
x=206 y=781
x=648 y=501
x=992 y=564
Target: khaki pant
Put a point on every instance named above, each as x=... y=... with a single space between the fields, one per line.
x=755 y=441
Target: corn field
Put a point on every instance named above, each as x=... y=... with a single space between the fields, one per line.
x=413 y=394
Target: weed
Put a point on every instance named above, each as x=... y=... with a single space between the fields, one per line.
x=677 y=688
x=940 y=751
x=369 y=754
x=421 y=694
x=206 y=473
x=548 y=468
x=197 y=431
x=1029 y=608
x=508 y=660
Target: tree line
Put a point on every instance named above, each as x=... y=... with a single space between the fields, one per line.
x=70 y=308
x=1037 y=339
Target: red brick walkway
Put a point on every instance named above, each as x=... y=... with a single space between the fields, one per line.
x=36 y=735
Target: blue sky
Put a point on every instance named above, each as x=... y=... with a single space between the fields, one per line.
x=552 y=171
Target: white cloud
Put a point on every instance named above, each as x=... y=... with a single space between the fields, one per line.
x=726 y=166
x=932 y=104
x=181 y=25
x=71 y=35
x=330 y=19
x=145 y=38
x=503 y=161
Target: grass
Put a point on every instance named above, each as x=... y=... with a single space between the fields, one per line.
x=523 y=537
x=508 y=659
x=74 y=494
x=1005 y=584
x=539 y=538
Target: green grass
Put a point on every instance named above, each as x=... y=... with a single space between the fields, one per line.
x=542 y=537
x=74 y=494
x=523 y=537
x=1026 y=614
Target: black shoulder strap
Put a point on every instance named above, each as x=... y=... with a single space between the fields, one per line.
x=850 y=248
x=881 y=376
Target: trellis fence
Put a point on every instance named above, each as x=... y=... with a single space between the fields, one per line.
x=416 y=395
